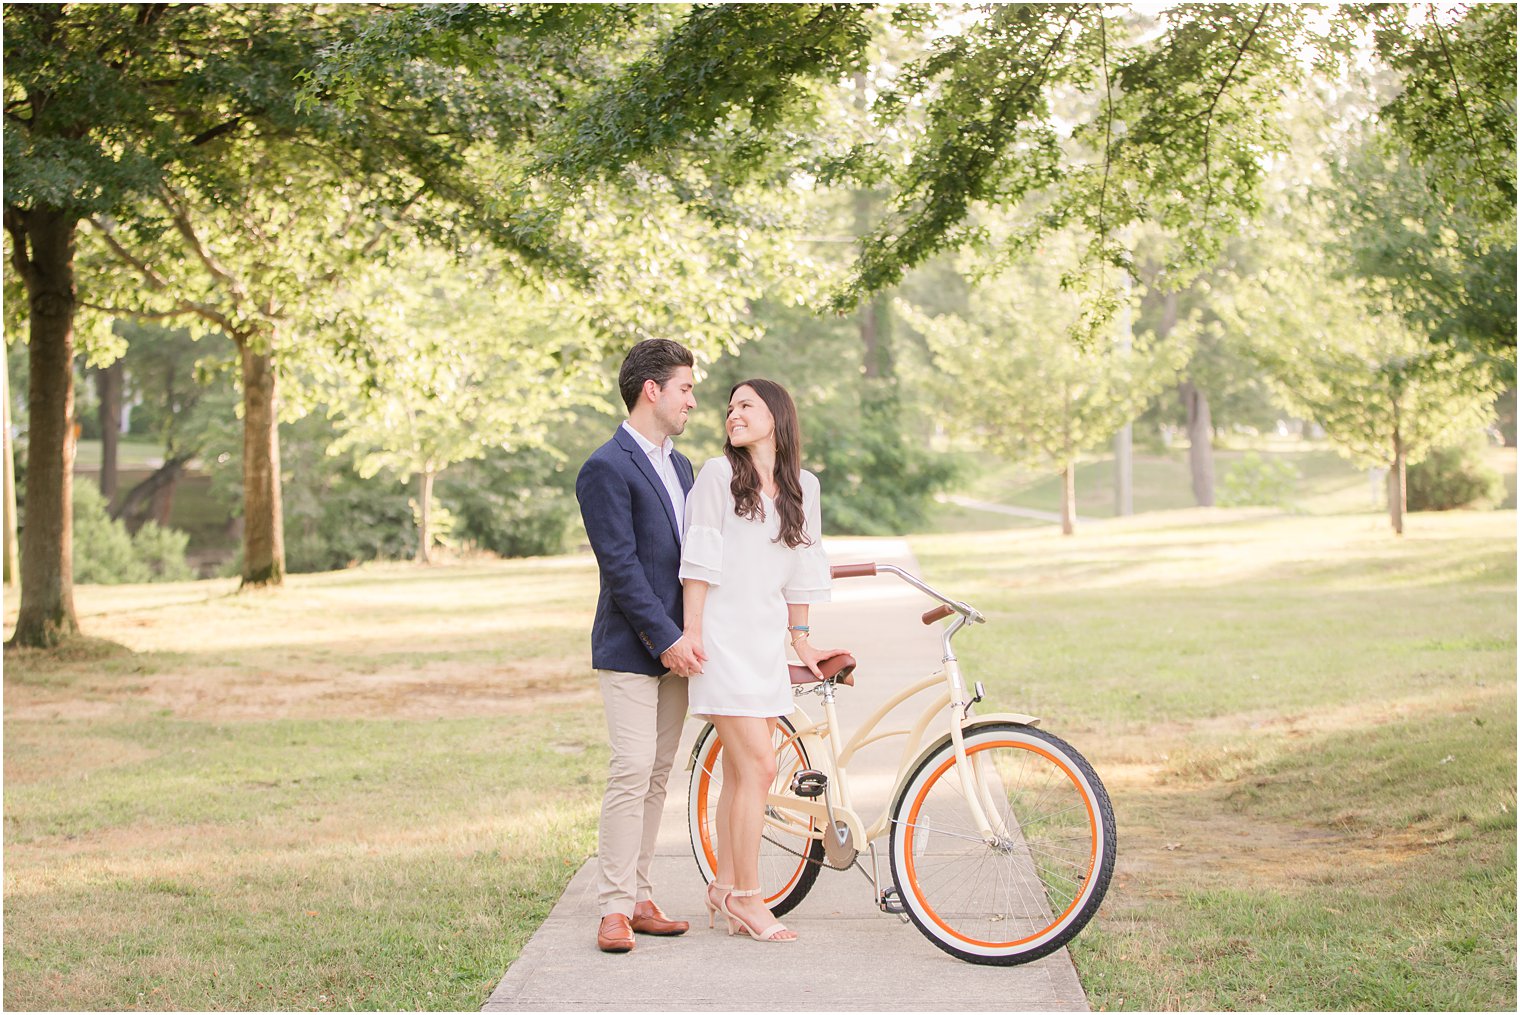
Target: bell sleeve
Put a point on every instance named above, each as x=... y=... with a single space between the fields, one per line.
x=707 y=506
x=810 y=582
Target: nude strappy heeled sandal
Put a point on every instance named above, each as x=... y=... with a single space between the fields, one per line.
x=769 y=934
x=716 y=907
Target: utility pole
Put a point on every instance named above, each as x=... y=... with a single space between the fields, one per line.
x=12 y=544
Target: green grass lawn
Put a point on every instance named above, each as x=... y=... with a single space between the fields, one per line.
x=363 y=791
x=367 y=789
x=1307 y=727
x=137 y=453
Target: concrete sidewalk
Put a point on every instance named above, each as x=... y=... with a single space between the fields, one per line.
x=850 y=956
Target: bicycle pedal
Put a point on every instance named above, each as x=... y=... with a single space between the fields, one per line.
x=891 y=901
x=809 y=783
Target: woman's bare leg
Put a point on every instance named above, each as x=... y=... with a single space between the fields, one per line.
x=750 y=769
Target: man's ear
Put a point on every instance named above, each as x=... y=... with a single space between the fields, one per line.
x=651 y=389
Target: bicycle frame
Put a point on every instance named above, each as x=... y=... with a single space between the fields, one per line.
x=837 y=807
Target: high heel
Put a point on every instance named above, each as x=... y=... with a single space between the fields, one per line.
x=716 y=907
x=769 y=934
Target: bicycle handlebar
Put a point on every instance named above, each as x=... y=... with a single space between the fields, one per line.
x=950 y=606
x=937 y=614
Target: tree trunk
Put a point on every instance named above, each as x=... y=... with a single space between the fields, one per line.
x=46 y=615
x=12 y=543
x=1396 y=477
x=1200 y=430
x=144 y=499
x=108 y=388
x=263 y=519
x=1069 y=499
x=163 y=500
x=424 y=518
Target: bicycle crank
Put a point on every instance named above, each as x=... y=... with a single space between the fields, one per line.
x=839 y=846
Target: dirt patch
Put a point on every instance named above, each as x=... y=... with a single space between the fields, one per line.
x=33 y=758
x=1197 y=848
x=1179 y=835
x=444 y=689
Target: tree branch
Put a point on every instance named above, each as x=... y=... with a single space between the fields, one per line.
x=15 y=224
x=212 y=133
x=182 y=223
x=1208 y=115
x=186 y=308
x=145 y=315
x=1108 y=125
x=973 y=159
x=155 y=281
x=385 y=227
x=1456 y=83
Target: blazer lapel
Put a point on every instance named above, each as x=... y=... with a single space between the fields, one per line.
x=642 y=463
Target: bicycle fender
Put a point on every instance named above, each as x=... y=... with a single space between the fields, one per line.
x=1013 y=717
x=967 y=728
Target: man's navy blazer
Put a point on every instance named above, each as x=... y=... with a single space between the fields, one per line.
x=635 y=534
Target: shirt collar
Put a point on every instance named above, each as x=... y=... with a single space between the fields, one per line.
x=644 y=442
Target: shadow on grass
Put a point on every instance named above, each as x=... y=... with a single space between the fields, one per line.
x=80 y=650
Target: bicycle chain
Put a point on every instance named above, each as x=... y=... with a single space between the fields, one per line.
x=856 y=865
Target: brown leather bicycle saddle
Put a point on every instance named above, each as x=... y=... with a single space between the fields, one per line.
x=840 y=669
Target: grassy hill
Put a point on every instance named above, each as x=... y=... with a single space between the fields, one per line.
x=1326 y=484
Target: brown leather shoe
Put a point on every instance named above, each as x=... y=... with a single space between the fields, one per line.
x=615 y=934
x=647 y=919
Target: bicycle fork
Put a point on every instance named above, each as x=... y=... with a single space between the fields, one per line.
x=985 y=815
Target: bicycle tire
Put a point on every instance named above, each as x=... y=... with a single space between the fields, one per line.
x=789 y=864
x=1032 y=891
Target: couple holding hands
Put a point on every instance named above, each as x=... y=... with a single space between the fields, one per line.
x=703 y=583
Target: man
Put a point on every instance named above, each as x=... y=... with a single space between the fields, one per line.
x=632 y=493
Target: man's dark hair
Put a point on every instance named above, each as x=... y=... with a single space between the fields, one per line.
x=653 y=359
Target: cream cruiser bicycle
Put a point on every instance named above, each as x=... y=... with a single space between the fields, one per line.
x=999 y=836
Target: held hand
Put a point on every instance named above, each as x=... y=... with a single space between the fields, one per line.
x=811 y=657
x=685 y=657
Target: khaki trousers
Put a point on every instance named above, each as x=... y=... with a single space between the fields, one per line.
x=644 y=719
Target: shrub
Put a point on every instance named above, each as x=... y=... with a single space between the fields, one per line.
x=516 y=504
x=1255 y=481
x=1453 y=477
x=162 y=551
x=335 y=519
x=105 y=554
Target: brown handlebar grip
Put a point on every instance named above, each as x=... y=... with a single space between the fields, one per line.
x=852 y=571
x=938 y=613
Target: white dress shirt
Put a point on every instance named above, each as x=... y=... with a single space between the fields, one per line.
x=661 y=457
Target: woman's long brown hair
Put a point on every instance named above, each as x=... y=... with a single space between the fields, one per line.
x=745 y=485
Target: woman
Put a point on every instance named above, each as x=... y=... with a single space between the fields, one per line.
x=751 y=562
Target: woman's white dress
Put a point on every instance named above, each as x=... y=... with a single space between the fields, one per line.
x=751 y=579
